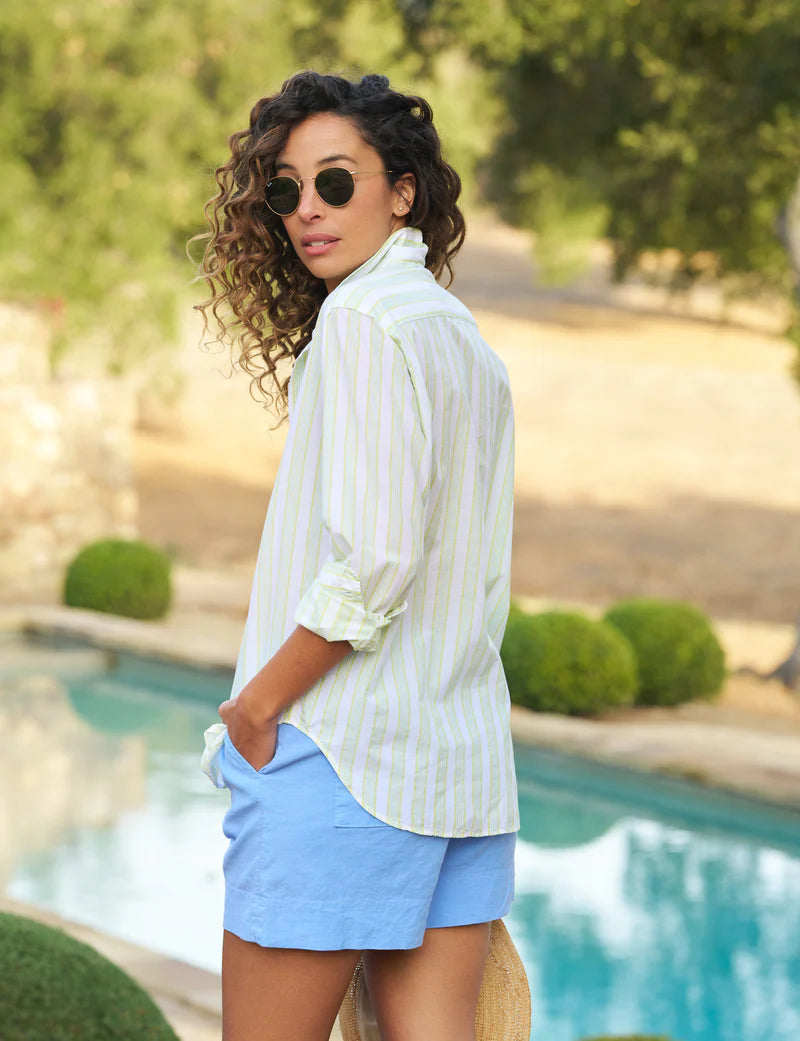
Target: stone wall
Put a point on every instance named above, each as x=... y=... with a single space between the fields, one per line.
x=66 y=461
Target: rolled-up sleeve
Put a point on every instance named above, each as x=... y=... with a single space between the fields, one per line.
x=375 y=474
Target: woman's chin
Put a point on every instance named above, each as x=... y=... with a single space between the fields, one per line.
x=330 y=273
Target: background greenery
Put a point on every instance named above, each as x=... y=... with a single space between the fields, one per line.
x=55 y=988
x=120 y=576
x=644 y=651
x=672 y=124
x=678 y=654
x=562 y=661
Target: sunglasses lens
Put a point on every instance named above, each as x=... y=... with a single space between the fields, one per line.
x=335 y=186
x=282 y=195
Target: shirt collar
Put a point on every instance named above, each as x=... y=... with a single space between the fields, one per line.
x=404 y=244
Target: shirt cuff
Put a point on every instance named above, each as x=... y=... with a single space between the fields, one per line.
x=333 y=607
x=209 y=761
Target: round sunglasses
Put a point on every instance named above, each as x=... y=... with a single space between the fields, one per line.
x=334 y=185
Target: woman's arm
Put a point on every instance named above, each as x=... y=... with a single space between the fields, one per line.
x=373 y=480
x=299 y=662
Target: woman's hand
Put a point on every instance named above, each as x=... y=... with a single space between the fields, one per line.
x=253 y=739
x=252 y=717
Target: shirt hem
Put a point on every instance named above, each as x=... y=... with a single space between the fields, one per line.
x=302 y=726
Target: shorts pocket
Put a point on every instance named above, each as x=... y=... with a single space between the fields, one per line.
x=234 y=757
x=348 y=811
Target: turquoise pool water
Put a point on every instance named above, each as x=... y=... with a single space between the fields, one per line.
x=641 y=904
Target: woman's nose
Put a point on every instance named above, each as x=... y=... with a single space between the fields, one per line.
x=310 y=203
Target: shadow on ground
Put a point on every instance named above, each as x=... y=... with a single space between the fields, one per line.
x=733 y=559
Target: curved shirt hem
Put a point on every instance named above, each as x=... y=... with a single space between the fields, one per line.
x=439 y=834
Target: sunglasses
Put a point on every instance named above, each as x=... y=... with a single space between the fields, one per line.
x=334 y=185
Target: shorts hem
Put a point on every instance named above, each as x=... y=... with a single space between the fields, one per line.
x=319 y=927
x=442 y=922
x=312 y=928
x=271 y=936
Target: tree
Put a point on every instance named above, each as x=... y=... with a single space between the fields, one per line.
x=113 y=117
x=656 y=123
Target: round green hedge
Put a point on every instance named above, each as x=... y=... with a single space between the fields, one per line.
x=120 y=576
x=560 y=661
x=55 y=988
x=678 y=653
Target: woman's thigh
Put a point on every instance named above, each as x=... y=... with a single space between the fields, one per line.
x=278 y=993
x=431 y=991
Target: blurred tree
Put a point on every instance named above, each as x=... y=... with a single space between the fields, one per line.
x=657 y=123
x=93 y=121
x=113 y=116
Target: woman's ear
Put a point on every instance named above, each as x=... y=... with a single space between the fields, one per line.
x=405 y=187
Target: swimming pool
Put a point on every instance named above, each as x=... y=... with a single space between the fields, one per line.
x=642 y=904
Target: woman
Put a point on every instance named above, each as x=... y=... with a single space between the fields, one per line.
x=368 y=749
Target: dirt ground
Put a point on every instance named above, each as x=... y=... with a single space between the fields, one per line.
x=657 y=453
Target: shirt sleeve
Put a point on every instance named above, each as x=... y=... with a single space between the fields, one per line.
x=375 y=475
x=499 y=528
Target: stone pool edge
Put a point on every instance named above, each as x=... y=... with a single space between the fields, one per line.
x=762 y=767
x=757 y=763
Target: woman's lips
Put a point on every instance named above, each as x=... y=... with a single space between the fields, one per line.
x=317 y=247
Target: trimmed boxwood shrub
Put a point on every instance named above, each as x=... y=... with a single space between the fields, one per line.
x=561 y=661
x=120 y=576
x=678 y=653
x=55 y=988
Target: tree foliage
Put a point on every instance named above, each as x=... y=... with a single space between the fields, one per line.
x=655 y=123
x=113 y=116
x=658 y=123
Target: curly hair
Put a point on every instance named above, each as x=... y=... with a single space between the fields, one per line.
x=263 y=298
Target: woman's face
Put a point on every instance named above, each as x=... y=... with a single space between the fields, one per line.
x=332 y=241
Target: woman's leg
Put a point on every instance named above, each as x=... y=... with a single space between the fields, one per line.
x=281 y=993
x=430 y=991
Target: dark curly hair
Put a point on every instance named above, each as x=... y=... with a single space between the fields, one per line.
x=262 y=296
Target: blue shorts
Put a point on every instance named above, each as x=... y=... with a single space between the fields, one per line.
x=308 y=867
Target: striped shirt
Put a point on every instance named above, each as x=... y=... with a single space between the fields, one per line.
x=389 y=525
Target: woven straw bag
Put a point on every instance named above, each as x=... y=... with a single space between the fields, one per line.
x=504 y=1004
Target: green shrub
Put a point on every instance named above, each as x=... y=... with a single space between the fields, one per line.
x=55 y=988
x=120 y=576
x=678 y=654
x=560 y=661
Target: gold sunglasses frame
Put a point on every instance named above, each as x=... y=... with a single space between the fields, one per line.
x=299 y=182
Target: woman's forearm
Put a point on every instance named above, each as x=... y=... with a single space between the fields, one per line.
x=299 y=662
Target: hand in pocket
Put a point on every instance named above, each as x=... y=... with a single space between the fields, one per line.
x=255 y=744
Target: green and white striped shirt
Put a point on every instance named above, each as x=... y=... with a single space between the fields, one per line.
x=389 y=525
